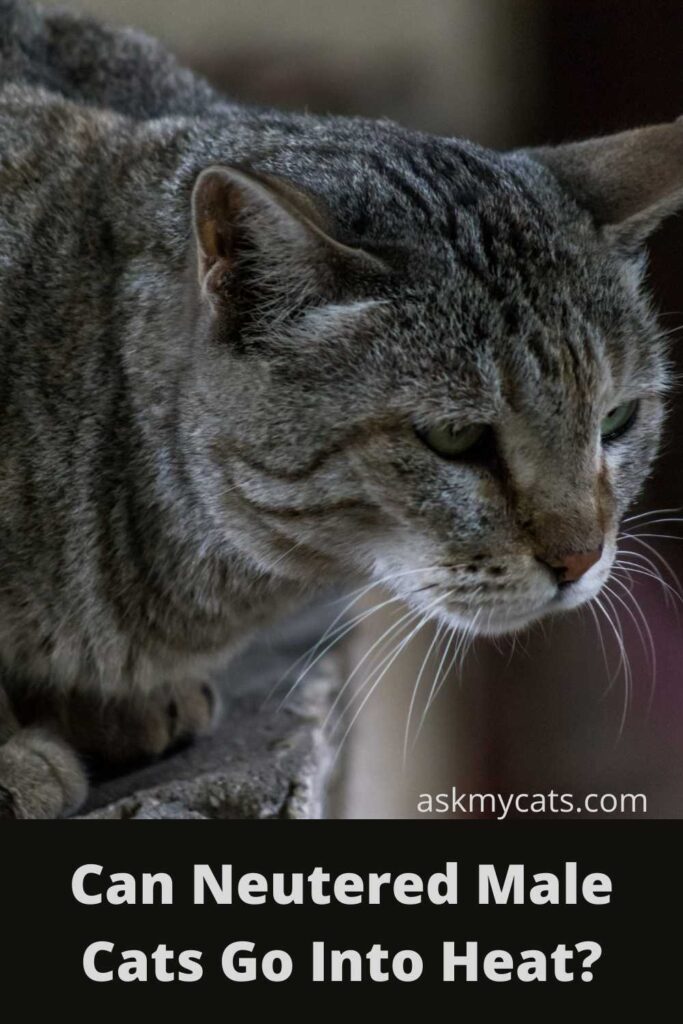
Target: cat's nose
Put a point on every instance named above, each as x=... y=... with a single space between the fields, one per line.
x=571 y=567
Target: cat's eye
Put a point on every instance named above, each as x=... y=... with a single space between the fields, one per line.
x=453 y=442
x=618 y=420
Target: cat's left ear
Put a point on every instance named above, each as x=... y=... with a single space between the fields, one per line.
x=251 y=224
x=629 y=182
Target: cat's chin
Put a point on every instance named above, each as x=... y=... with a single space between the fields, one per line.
x=494 y=621
x=501 y=622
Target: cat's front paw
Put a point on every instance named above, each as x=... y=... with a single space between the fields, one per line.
x=40 y=776
x=188 y=713
x=143 y=727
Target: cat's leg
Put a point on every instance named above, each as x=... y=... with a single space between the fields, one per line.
x=130 y=728
x=40 y=774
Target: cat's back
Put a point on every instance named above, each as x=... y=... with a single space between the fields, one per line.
x=95 y=64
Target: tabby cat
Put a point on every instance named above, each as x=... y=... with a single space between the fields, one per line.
x=247 y=352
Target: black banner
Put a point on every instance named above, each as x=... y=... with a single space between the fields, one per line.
x=163 y=912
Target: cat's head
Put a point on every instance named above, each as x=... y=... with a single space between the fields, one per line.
x=436 y=366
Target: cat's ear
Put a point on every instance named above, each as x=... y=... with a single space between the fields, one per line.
x=629 y=181
x=248 y=222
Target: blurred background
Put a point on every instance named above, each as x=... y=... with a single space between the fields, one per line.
x=505 y=73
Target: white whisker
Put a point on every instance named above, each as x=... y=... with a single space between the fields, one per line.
x=355 y=596
x=410 y=615
x=596 y=620
x=428 y=703
x=634 y=567
x=649 y=647
x=435 y=639
x=652 y=512
x=460 y=653
x=660 y=558
x=628 y=674
x=386 y=665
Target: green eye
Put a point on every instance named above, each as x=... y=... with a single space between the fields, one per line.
x=618 y=421
x=452 y=442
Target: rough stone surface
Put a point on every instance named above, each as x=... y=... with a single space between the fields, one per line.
x=266 y=759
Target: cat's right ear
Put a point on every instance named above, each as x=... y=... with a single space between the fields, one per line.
x=628 y=181
x=253 y=224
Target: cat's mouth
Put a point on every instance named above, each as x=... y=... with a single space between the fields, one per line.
x=497 y=618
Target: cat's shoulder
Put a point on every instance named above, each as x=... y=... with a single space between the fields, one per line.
x=42 y=135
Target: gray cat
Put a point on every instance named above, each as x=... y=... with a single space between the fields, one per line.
x=246 y=352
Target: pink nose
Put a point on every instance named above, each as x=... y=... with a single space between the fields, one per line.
x=573 y=566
